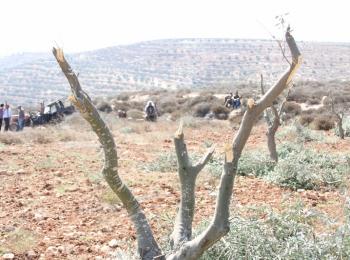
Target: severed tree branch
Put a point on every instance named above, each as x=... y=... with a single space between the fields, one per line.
x=220 y=223
x=147 y=246
x=188 y=174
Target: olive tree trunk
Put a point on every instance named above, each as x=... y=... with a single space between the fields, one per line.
x=339 y=117
x=219 y=225
x=147 y=246
x=184 y=246
x=187 y=174
x=272 y=124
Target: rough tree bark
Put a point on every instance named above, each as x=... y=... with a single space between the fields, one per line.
x=187 y=174
x=339 y=117
x=147 y=246
x=272 y=124
x=184 y=247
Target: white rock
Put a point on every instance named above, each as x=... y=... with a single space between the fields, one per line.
x=113 y=243
x=51 y=251
x=8 y=256
x=31 y=254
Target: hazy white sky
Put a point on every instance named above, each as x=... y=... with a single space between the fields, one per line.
x=79 y=25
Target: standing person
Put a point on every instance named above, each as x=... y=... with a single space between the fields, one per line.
x=7 y=116
x=236 y=100
x=21 y=118
x=1 y=114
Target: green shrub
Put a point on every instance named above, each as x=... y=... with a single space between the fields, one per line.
x=289 y=235
x=298 y=168
x=254 y=163
x=307 y=169
x=165 y=162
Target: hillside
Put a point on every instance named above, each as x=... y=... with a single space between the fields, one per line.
x=172 y=64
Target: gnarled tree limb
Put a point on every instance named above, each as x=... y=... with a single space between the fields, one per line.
x=188 y=174
x=220 y=223
x=272 y=124
x=147 y=246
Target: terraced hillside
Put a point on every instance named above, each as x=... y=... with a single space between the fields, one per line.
x=179 y=63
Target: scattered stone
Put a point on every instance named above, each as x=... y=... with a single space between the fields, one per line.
x=8 y=256
x=21 y=172
x=39 y=216
x=105 y=249
x=72 y=189
x=31 y=254
x=61 y=249
x=106 y=229
x=113 y=243
x=52 y=251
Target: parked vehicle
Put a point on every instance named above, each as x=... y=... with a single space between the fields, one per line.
x=52 y=113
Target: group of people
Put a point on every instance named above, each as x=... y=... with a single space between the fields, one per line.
x=6 y=117
x=233 y=101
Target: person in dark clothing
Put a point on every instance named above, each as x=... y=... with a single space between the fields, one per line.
x=151 y=112
x=236 y=100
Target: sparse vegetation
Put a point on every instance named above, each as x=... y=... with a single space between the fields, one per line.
x=287 y=235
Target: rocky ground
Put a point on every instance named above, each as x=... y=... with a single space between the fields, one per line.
x=54 y=203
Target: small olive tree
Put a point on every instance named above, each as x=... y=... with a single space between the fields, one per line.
x=184 y=246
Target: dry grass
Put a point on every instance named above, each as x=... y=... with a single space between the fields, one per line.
x=18 y=241
x=9 y=138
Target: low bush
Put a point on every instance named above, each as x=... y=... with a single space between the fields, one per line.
x=308 y=170
x=306 y=119
x=298 y=168
x=292 y=108
x=220 y=112
x=254 y=163
x=288 y=235
x=104 y=106
x=323 y=122
x=201 y=109
x=165 y=162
